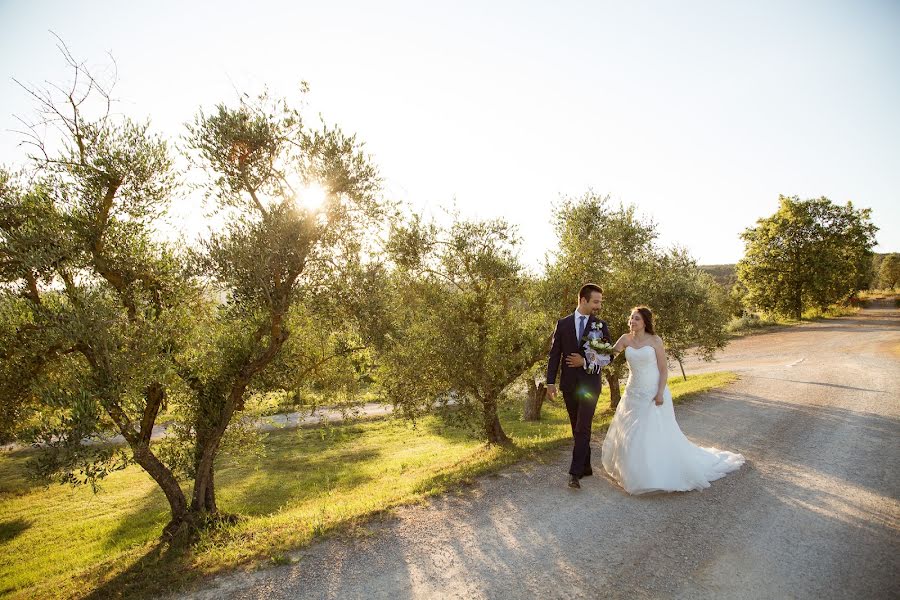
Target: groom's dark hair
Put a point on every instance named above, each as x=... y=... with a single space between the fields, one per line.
x=588 y=289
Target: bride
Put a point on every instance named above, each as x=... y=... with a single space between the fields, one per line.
x=644 y=449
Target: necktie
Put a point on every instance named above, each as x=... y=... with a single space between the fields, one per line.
x=581 y=327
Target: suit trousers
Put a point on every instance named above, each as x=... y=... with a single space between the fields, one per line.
x=581 y=404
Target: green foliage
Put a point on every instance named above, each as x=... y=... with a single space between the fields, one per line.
x=276 y=262
x=748 y=322
x=809 y=254
x=615 y=248
x=723 y=274
x=91 y=305
x=105 y=327
x=889 y=272
x=691 y=309
x=467 y=326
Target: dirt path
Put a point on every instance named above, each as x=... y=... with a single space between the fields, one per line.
x=815 y=512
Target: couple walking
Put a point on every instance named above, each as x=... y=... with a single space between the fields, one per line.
x=644 y=449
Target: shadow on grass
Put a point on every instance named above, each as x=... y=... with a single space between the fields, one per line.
x=283 y=482
x=144 y=521
x=10 y=530
x=316 y=463
x=162 y=569
x=451 y=425
x=15 y=477
x=298 y=466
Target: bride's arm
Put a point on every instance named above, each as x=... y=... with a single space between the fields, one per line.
x=663 y=365
x=620 y=344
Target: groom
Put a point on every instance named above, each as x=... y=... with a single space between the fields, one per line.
x=579 y=388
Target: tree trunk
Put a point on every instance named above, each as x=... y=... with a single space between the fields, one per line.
x=211 y=493
x=680 y=364
x=492 y=428
x=211 y=430
x=534 y=401
x=169 y=485
x=139 y=442
x=203 y=500
x=615 y=393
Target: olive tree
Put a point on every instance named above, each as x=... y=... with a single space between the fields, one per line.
x=889 y=271
x=612 y=246
x=465 y=328
x=104 y=325
x=616 y=248
x=93 y=306
x=691 y=311
x=260 y=158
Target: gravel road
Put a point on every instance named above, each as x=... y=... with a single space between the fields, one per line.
x=815 y=512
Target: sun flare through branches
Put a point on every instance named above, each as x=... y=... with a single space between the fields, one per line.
x=311 y=196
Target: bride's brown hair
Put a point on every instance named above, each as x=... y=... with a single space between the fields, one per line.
x=647 y=316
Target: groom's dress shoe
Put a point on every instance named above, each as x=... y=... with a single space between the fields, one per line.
x=587 y=473
x=573 y=482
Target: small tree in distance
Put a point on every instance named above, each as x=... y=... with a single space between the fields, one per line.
x=889 y=272
x=809 y=254
x=691 y=309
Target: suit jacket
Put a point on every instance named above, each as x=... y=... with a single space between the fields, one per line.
x=565 y=342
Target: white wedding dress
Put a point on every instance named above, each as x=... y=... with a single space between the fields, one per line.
x=644 y=449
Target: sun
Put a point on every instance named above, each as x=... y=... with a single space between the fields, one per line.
x=311 y=196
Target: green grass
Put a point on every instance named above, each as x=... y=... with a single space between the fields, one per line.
x=67 y=542
x=868 y=297
x=878 y=294
x=755 y=323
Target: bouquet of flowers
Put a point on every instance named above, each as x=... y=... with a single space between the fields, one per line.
x=597 y=349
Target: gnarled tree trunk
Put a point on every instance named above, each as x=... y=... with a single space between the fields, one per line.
x=492 y=428
x=169 y=485
x=203 y=501
x=534 y=401
x=615 y=392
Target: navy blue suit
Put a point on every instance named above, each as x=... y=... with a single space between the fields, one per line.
x=580 y=389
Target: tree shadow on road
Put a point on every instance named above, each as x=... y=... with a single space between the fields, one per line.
x=822 y=383
x=855 y=435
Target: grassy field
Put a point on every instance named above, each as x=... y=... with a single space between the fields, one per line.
x=753 y=323
x=67 y=542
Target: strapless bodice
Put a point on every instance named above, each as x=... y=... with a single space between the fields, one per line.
x=643 y=370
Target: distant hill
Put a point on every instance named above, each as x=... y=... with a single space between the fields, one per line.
x=723 y=274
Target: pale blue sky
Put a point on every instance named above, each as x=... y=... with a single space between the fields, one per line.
x=700 y=113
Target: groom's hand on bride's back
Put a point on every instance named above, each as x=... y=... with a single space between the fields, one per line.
x=575 y=360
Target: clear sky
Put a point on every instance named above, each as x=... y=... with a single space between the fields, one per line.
x=700 y=113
